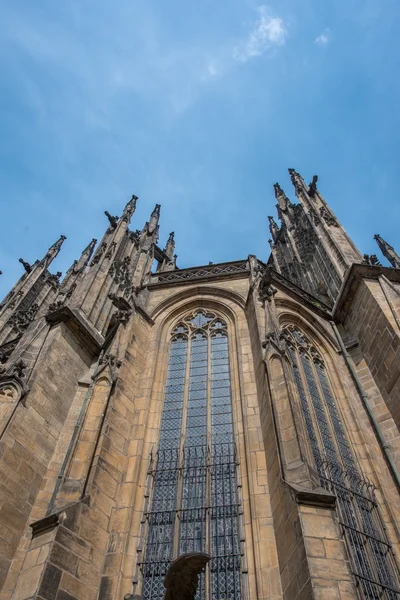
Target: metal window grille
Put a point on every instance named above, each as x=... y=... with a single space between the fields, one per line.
x=371 y=556
x=193 y=476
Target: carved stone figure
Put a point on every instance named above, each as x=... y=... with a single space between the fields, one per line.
x=99 y=254
x=113 y=220
x=25 y=264
x=119 y=271
x=130 y=209
x=371 y=259
x=312 y=189
x=328 y=217
x=21 y=319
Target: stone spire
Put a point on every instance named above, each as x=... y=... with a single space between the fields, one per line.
x=273 y=227
x=388 y=251
x=312 y=247
x=82 y=262
x=31 y=296
x=154 y=218
x=52 y=252
x=170 y=247
x=283 y=201
x=130 y=209
x=297 y=181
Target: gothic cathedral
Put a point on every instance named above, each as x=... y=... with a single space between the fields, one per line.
x=249 y=410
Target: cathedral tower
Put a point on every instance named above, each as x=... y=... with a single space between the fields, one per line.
x=246 y=409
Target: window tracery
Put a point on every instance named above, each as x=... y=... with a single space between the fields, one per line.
x=371 y=556
x=195 y=505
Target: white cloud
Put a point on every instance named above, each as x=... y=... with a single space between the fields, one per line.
x=324 y=38
x=268 y=32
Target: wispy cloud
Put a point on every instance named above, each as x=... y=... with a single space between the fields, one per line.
x=268 y=32
x=324 y=38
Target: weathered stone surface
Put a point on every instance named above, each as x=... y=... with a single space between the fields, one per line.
x=75 y=449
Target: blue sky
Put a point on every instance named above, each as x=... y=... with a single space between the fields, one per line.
x=201 y=107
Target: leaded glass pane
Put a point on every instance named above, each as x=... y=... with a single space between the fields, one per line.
x=204 y=460
x=370 y=554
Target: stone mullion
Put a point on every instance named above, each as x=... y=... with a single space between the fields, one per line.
x=209 y=459
x=310 y=404
x=179 y=491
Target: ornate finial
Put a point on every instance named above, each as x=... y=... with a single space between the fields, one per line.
x=296 y=180
x=273 y=227
x=25 y=264
x=283 y=200
x=130 y=208
x=53 y=251
x=154 y=217
x=312 y=188
x=170 y=247
x=113 y=220
x=80 y=264
x=371 y=259
x=388 y=251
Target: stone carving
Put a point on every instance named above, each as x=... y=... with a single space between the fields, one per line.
x=130 y=209
x=388 y=251
x=265 y=290
x=25 y=264
x=199 y=272
x=15 y=298
x=8 y=393
x=21 y=319
x=154 y=217
x=113 y=220
x=273 y=227
x=110 y=360
x=125 y=310
x=80 y=264
x=296 y=180
x=312 y=188
x=170 y=247
x=111 y=250
x=182 y=577
x=120 y=273
x=371 y=259
x=53 y=280
x=134 y=236
x=53 y=251
x=283 y=200
x=99 y=254
x=328 y=217
x=314 y=217
x=7 y=349
x=59 y=303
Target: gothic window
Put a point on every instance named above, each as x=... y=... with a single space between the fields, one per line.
x=371 y=556
x=193 y=483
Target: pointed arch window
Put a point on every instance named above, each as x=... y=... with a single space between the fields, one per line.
x=193 y=485
x=372 y=558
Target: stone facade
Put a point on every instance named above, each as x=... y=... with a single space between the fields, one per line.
x=313 y=339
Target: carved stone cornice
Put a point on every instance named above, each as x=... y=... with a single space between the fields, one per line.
x=233 y=269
